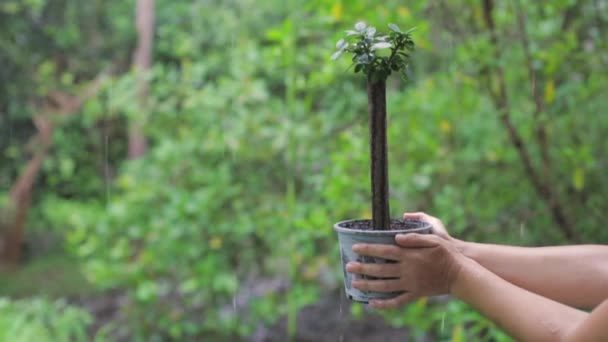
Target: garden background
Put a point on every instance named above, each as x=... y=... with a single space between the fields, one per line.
x=171 y=170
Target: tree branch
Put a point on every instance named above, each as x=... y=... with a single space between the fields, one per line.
x=501 y=100
x=540 y=123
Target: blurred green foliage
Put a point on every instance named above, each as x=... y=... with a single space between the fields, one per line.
x=59 y=273
x=259 y=144
x=40 y=319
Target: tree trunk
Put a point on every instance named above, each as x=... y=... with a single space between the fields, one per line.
x=142 y=61
x=21 y=193
x=376 y=92
x=56 y=103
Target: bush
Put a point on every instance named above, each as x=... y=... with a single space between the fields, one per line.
x=42 y=320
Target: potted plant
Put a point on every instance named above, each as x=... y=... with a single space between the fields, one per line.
x=376 y=56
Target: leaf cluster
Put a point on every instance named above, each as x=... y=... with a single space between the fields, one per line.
x=376 y=54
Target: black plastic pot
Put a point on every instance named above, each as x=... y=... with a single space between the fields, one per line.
x=350 y=233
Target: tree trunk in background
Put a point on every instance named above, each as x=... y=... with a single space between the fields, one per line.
x=55 y=104
x=376 y=92
x=21 y=193
x=142 y=61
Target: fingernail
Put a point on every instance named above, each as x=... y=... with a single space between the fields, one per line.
x=356 y=247
x=350 y=266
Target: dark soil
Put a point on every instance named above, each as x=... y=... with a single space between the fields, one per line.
x=396 y=224
x=330 y=320
x=327 y=320
x=105 y=307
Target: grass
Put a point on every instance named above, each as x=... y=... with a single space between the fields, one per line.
x=55 y=275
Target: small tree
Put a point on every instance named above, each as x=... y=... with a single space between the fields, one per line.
x=377 y=55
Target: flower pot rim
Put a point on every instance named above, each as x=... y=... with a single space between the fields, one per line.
x=423 y=226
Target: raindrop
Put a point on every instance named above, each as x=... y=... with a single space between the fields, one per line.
x=234 y=303
x=106 y=168
x=342 y=319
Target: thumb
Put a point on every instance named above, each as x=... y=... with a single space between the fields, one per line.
x=414 y=240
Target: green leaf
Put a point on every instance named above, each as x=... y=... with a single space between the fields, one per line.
x=381 y=45
x=411 y=30
x=360 y=26
x=336 y=55
x=370 y=32
x=394 y=28
x=578 y=179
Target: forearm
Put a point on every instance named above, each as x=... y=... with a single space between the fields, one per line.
x=543 y=270
x=522 y=314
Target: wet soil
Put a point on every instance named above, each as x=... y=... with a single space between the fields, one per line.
x=396 y=224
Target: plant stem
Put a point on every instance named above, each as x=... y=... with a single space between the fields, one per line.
x=376 y=92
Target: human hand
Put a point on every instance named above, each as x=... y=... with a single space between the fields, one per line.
x=426 y=265
x=438 y=227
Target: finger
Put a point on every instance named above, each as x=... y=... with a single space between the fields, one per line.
x=393 y=302
x=374 y=270
x=389 y=285
x=416 y=240
x=419 y=216
x=390 y=252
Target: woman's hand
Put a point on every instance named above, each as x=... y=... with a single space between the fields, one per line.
x=426 y=265
x=438 y=227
